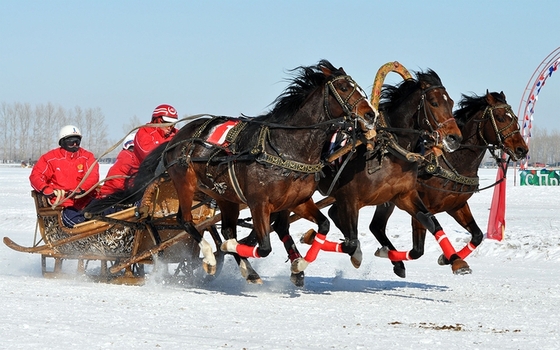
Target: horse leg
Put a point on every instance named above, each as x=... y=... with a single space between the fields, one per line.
x=412 y=204
x=464 y=217
x=378 y=227
x=311 y=212
x=185 y=184
x=429 y=221
x=281 y=225
x=350 y=245
x=261 y=224
x=230 y=215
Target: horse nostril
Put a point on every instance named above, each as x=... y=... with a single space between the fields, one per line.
x=455 y=139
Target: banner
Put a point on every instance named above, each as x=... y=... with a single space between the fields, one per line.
x=541 y=177
x=497 y=217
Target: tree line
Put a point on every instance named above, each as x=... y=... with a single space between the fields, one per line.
x=544 y=147
x=27 y=132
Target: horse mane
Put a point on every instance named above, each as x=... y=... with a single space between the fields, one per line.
x=131 y=194
x=472 y=104
x=306 y=80
x=393 y=95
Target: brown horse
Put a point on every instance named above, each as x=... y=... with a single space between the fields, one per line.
x=446 y=183
x=272 y=162
x=413 y=108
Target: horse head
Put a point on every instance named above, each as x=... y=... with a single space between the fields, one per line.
x=499 y=126
x=435 y=111
x=335 y=92
x=422 y=105
x=346 y=98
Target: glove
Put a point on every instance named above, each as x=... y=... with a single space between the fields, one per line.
x=48 y=191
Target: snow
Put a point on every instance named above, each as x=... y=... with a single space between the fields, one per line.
x=510 y=301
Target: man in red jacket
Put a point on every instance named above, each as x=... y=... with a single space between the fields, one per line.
x=63 y=170
x=149 y=137
x=120 y=172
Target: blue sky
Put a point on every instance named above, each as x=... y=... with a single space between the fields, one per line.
x=232 y=57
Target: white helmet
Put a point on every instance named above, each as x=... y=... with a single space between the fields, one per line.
x=68 y=130
x=128 y=141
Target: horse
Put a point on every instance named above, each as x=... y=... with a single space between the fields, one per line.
x=269 y=163
x=411 y=112
x=446 y=183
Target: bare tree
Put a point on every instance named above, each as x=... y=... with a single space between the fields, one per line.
x=133 y=123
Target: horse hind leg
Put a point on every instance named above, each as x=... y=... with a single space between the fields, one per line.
x=209 y=263
x=464 y=217
x=378 y=227
x=230 y=215
x=350 y=246
x=245 y=268
x=458 y=265
x=281 y=226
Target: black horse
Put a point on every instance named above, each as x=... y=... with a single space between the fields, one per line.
x=446 y=182
x=271 y=163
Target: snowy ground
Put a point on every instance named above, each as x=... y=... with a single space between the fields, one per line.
x=511 y=300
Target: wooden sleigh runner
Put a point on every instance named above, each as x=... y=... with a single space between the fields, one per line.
x=125 y=241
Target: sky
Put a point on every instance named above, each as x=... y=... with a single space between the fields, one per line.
x=510 y=301
x=232 y=57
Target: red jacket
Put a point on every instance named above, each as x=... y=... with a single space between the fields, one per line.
x=147 y=138
x=60 y=169
x=126 y=165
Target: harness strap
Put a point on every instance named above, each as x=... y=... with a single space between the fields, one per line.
x=235 y=183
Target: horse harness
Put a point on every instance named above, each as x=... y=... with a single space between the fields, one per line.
x=386 y=142
x=258 y=152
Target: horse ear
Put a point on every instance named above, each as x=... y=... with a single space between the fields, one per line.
x=503 y=95
x=489 y=98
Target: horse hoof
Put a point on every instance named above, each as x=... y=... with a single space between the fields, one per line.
x=356 y=258
x=298 y=279
x=299 y=265
x=399 y=271
x=442 y=260
x=460 y=267
x=209 y=269
x=254 y=279
x=382 y=252
x=308 y=237
x=229 y=246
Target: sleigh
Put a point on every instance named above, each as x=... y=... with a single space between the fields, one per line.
x=118 y=247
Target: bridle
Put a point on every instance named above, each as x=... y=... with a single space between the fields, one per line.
x=347 y=107
x=489 y=111
x=428 y=115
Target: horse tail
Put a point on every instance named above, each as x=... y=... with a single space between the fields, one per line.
x=136 y=186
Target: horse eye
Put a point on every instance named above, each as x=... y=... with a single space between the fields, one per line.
x=434 y=104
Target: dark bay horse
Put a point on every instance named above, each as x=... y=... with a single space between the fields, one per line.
x=414 y=108
x=271 y=163
x=446 y=183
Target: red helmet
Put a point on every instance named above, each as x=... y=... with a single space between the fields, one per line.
x=166 y=112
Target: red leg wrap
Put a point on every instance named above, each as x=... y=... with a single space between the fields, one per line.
x=247 y=251
x=395 y=255
x=466 y=251
x=315 y=247
x=330 y=246
x=444 y=243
